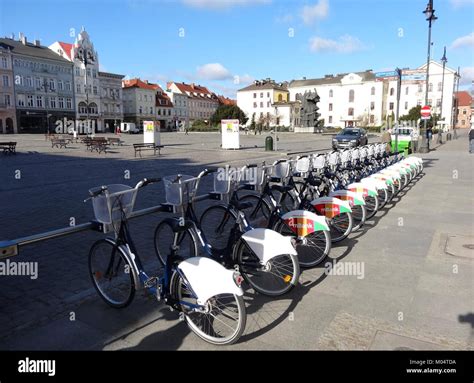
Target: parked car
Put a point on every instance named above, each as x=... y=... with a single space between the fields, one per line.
x=129 y=127
x=350 y=138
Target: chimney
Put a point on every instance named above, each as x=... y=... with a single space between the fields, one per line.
x=22 y=38
x=192 y=85
x=37 y=43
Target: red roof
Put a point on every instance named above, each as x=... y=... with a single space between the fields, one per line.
x=226 y=101
x=191 y=88
x=66 y=47
x=166 y=102
x=464 y=98
x=137 y=83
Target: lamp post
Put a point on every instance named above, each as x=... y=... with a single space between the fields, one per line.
x=430 y=17
x=444 y=60
x=84 y=55
x=276 y=127
x=44 y=86
x=399 y=91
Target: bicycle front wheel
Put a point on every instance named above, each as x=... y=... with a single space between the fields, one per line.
x=216 y=224
x=340 y=226
x=276 y=277
x=312 y=249
x=221 y=321
x=259 y=214
x=111 y=274
x=165 y=237
x=359 y=214
x=371 y=205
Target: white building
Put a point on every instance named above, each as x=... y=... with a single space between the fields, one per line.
x=139 y=101
x=180 y=109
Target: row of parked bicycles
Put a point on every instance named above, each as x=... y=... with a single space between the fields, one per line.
x=266 y=222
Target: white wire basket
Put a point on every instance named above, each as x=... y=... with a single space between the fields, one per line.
x=257 y=179
x=116 y=200
x=333 y=158
x=345 y=156
x=226 y=180
x=370 y=150
x=179 y=189
x=355 y=154
x=319 y=161
x=281 y=170
x=302 y=165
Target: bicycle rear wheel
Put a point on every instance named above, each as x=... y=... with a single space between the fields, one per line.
x=276 y=277
x=312 y=249
x=111 y=274
x=359 y=215
x=165 y=237
x=221 y=322
x=259 y=214
x=340 y=226
x=371 y=205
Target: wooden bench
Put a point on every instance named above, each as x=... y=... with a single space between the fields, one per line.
x=8 y=147
x=115 y=141
x=59 y=143
x=99 y=144
x=140 y=147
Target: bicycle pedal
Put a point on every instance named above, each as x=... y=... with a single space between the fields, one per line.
x=150 y=282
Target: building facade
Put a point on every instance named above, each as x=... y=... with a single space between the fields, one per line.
x=180 y=109
x=259 y=102
x=164 y=110
x=111 y=104
x=43 y=86
x=201 y=102
x=463 y=110
x=139 y=101
x=7 y=96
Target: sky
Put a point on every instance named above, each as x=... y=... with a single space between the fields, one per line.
x=227 y=44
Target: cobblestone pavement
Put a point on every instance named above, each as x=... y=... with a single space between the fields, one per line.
x=417 y=291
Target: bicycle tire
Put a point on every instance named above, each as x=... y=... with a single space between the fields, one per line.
x=216 y=223
x=164 y=238
x=259 y=214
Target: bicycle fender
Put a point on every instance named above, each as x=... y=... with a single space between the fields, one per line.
x=208 y=278
x=349 y=196
x=330 y=206
x=304 y=222
x=366 y=189
x=374 y=182
x=268 y=244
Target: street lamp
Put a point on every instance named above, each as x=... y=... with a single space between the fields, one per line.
x=85 y=55
x=430 y=17
x=276 y=128
x=444 y=60
x=44 y=86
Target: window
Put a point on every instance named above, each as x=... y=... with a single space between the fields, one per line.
x=464 y=111
x=350 y=112
x=29 y=101
x=254 y=104
x=406 y=91
x=261 y=105
x=420 y=88
x=94 y=73
x=7 y=100
x=430 y=88
x=268 y=104
x=392 y=91
x=77 y=71
x=69 y=103
x=6 y=81
x=4 y=62
x=95 y=90
x=29 y=82
x=406 y=105
x=390 y=106
x=255 y=95
x=82 y=107
x=93 y=108
x=261 y=95
x=330 y=107
x=61 y=102
x=331 y=93
x=440 y=86
x=21 y=100
x=52 y=102
x=372 y=105
x=140 y=110
x=418 y=103
x=60 y=85
x=39 y=101
x=438 y=102
x=372 y=91
x=280 y=98
x=78 y=88
x=351 y=95
x=151 y=110
x=372 y=119
x=68 y=85
x=330 y=119
x=463 y=122
x=52 y=84
x=268 y=94
x=89 y=72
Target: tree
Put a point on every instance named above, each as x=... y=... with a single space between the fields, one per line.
x=252 y=123
x=228 y=112
x=414 y=114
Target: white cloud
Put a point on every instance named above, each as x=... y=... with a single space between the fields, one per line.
x=222 y=4
x=345 y=44
x=318 y=11
x=464 y=41
x=213 y=71
x=467 y=75
x=461 y=3
x=246 y=79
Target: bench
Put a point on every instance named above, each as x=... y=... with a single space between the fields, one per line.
x=99 y=144
x=8 y=147
x=115 y=141
x=140 y=147
x=59 y=143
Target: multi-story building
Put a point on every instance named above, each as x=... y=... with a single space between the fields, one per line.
x=111 y=104
x=43 y=86
x=180 y=109
x=258 y=101
x=7 y=97
x=94 y=92
x=164 y=110
x=464 y=110
x=201 y=102
x=139 y=101
x=369 y=99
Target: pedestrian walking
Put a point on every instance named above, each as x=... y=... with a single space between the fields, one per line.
x=186 y=131
x=387 y=140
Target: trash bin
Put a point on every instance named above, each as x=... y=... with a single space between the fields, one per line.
x=269 y=143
